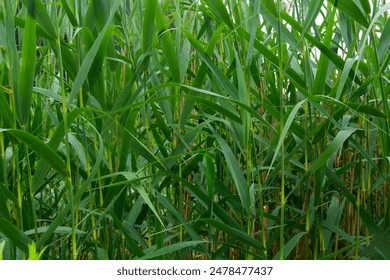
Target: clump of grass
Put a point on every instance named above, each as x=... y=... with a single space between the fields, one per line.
x=194 y=130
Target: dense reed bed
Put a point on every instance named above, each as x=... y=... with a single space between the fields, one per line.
x=212 y=129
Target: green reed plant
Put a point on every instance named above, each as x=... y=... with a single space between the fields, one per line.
x=194 y=129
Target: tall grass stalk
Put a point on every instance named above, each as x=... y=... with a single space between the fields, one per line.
x=281 y=128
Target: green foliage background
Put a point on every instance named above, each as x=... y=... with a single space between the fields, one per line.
x=212 y=129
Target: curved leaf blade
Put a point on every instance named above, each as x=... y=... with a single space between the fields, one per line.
x=15 y=235
x=42 y=149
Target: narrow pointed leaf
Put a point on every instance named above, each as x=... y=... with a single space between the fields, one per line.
x=15 y=235
x=41 y=149
x=69 y=13
x=141 y=190
x=352 y=10
x=148 y=25
x=235 y=233
x=5 y=111
x=219 y=9
x=169 y=249
x=27 y=70
x=167 y=45
x=89 y=59
x=43 y=18
x=290 y=245
x=235 y=171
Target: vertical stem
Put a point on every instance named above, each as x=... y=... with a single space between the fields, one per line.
x=281 y=127
x=5 y=175
x=67 y=148
x=13 y=61
x=16 y=178
x=32 y=198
